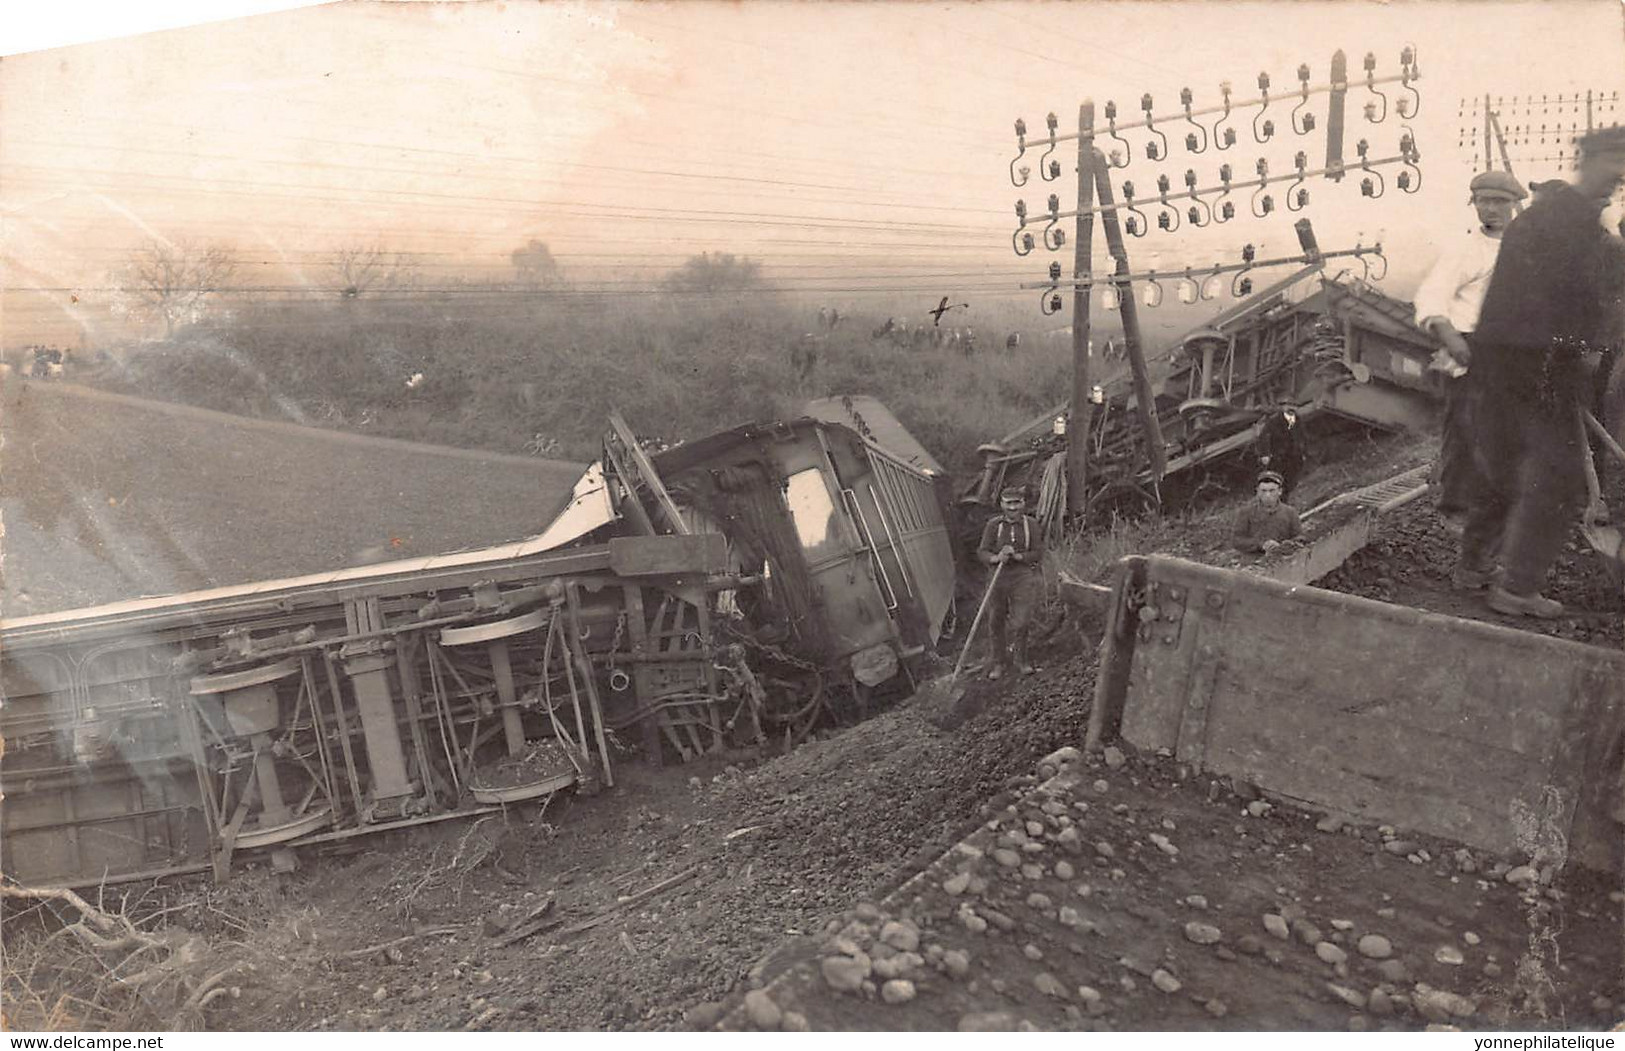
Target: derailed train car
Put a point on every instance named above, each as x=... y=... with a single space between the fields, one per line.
x=1316 y=344
x=739 y=588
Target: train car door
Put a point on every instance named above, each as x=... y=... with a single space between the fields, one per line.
x=853 y=604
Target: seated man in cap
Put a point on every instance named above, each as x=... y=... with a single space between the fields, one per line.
x=1552 y=303
x=1447 y=305
x=1016 y=541
x=1267 y=523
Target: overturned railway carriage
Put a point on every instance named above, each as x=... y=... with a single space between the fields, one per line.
x=1320 y=344
x=837 y=546
x=795 y=567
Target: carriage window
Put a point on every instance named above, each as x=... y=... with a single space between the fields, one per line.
x=812 y=510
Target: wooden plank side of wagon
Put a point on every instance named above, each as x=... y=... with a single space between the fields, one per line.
x=1456 y=728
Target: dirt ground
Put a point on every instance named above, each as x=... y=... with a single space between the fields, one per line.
x=1410 y=565
x=1116 y=897
x=976 y=889
x=774 y=851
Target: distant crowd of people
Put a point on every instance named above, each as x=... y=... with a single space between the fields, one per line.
x=41 y=362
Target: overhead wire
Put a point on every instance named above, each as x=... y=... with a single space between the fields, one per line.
x=878 y=228
x=408 y=259
x=809 y=271
x=119 y=182
x=859 y=194
x=734 y=152
x=943 y=235
x=730 y=107
x=425 y=292
x=974 y=136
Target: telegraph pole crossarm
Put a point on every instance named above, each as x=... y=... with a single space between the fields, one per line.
x=1203 y=202
x=1090 y=281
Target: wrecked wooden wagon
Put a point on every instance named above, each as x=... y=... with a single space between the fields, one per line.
x=740 y=588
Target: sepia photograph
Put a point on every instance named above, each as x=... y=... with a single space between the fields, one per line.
x=919 y=516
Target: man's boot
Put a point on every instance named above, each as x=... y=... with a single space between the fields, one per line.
x=1532 y=605
x=1472 y=578
x=1022 y=664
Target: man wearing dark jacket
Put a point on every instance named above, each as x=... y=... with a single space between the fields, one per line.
x=1281 y=447
x=1553 y=300
x=1267 y=523
x=1016 y=541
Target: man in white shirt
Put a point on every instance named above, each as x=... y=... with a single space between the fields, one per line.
x=1447 y=305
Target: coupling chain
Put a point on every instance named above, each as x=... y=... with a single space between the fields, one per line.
x=778 y=654
x=615 y=642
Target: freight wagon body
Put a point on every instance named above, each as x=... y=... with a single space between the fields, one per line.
x=1504 y=740
x=1321 y=345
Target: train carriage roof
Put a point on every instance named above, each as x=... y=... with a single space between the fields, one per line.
x=874 y=421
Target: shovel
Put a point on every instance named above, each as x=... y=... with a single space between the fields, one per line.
x=946 y=693
x=1604 y=539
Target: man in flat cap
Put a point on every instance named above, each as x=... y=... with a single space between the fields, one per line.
x=1266 y=523
x=1552 y=303
x=1447 y=305
x=1014 y=539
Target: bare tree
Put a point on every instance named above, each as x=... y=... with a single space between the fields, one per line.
x=371 y=269
x=172 y=279
x=535 y=266
x=722 y=272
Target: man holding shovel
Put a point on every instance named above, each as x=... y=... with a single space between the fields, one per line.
x=1014 y=544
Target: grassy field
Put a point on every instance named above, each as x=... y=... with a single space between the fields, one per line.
x=513 y=373
x=497 y=371
x=108 y=498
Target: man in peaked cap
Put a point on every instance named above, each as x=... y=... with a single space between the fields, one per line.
x=1016 y=541
x=1447 y=305
x=1552 y=304
x=1267 y=523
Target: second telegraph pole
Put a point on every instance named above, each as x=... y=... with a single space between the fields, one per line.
x=1077 y=437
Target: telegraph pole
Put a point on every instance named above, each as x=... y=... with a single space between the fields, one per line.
x=1145 y=400
x=1077 y=443
x=1534 y=128
x=1201 y=204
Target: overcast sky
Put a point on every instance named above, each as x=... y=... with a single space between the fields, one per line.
x=859 y=149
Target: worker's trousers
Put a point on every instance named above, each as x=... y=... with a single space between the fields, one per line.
x=1459 y=476
x=1529 y=459
x=1010 y=611
x=1600 y=454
